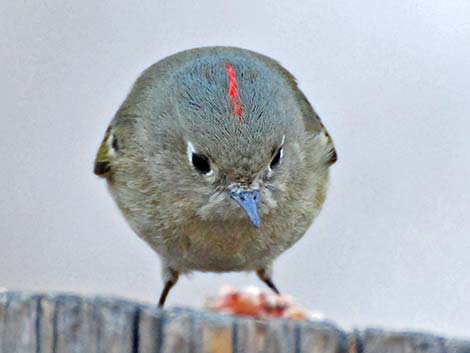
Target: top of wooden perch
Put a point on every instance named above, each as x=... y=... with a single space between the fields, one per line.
x=43 y=323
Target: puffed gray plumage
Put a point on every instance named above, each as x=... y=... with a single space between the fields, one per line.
x=218 y=161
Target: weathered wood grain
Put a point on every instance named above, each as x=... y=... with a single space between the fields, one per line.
x=265 y=336
x=379 y=341
x=213 y=334
x=150 y=330
x=321 y=337
x=35 y=323
x=18 y=315
x=178 y=332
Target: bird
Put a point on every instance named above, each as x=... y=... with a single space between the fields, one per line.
x=218 y=161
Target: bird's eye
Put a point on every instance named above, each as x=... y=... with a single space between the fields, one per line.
x=201 y=163
x=277 y=158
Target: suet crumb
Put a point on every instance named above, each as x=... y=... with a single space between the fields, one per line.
x=256 y=303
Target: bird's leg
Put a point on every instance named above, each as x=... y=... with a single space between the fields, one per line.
x=170 y=278
x=265 y=276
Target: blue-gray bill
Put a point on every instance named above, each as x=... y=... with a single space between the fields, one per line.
x=249 y=202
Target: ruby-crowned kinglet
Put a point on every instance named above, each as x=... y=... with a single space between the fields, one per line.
x=218 y=161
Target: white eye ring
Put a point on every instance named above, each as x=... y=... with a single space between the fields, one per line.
x=209 y=173
x=191 y=151
x=281 y=154
x=109 y=143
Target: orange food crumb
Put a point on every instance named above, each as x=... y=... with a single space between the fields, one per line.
x=253 y=302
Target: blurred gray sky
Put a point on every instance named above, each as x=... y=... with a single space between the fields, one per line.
x=390 y=80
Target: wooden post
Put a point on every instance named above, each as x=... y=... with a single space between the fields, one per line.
x=37 y=323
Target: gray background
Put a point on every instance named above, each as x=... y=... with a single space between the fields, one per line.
x=390 y=80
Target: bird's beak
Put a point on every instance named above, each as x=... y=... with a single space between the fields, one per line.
x=249 y=201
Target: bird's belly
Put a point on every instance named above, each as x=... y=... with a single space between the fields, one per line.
x=223 y=247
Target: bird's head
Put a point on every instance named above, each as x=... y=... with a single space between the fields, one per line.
x=233 y=139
